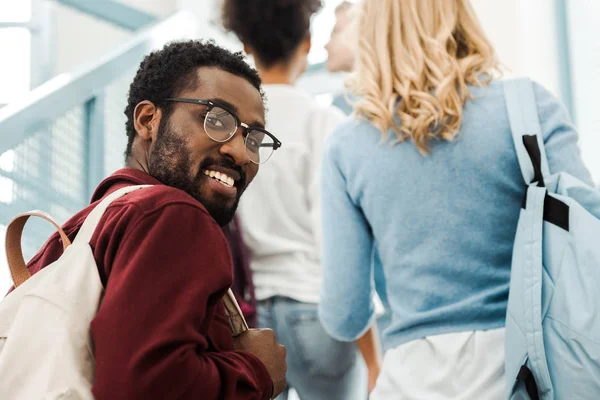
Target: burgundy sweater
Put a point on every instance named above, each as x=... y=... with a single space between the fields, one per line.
x=161 y=330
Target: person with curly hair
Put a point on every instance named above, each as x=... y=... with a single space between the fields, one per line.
x=280 y=214
x=426 y=173
x=195 y=128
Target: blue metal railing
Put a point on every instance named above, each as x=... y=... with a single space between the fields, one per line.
x=58 y=142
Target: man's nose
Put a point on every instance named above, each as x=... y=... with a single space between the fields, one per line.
x=236 y=148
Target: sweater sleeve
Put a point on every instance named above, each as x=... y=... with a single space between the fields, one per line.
x=346 y=308
x=560 y=136
x=168 y=275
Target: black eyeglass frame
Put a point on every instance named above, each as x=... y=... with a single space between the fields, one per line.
x=211 y=104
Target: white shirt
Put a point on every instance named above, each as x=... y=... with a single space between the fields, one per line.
x=280 y=210
x=458 y=366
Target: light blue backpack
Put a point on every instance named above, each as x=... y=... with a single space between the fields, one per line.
x=553 y=319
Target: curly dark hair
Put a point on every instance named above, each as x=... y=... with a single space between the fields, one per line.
x=272 y=28
x=167 y=72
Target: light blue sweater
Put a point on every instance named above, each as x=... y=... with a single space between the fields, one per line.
x=443 y=224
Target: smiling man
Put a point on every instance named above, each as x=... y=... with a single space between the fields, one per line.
x=195 y=124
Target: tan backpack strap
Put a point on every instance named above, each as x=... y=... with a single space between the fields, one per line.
x=14 y=252
x=237 y=322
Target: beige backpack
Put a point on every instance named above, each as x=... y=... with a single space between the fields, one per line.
x=46 y=351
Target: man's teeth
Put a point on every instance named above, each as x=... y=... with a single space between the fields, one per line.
x=221 y=177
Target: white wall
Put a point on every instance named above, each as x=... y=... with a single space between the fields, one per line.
x=81 y=38
x=159 y=8
x=584 y=19
x=524 y=35
x=500 y=21
x=539 y=52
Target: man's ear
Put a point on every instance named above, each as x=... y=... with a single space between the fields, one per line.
x=146 y=120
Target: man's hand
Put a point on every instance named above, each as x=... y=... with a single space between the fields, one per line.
x=263 y=344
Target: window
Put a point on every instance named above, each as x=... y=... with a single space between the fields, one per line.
x=15 y=40
x=15 y=80
x=7 y=164
x=15 y=10
x=15 y=75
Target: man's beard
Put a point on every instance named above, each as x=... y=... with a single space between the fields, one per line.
x=171 y=164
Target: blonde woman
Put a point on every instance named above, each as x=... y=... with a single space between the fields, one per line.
x=427 y=175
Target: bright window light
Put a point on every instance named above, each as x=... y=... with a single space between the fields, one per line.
x=7 y=161
x=15 y=72
x=7 y=188
x=15 y=10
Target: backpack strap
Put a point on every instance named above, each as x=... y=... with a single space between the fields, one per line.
x=20 y=273
x=91 y=222
x=237 y=322
x=14 y=252
x=14 y=232
x=526 y=130
x=529 y=145
x=540 y=207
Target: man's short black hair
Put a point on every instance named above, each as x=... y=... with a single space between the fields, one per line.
x=272 y=28
x=167 y=72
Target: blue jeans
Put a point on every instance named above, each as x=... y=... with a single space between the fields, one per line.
x=319 y=367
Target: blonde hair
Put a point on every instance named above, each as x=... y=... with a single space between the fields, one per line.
x=415 y=59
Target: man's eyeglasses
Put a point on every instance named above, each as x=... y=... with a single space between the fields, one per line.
x=220 y=124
